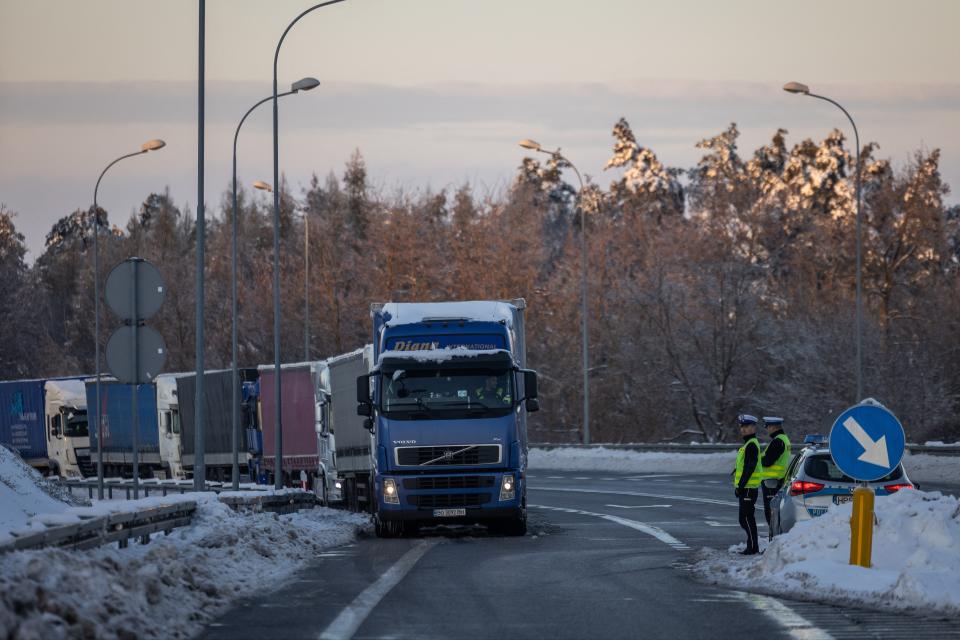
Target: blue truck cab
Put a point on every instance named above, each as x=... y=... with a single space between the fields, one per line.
x=447 y=401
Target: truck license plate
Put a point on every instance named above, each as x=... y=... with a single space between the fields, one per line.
x=449 y=513
x=842 y=499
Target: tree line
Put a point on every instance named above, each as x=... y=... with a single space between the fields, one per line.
x=713 y=290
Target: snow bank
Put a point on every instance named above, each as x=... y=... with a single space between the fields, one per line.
x=916 y=558
x=171 y=587
x=925 y=467
x=601 y=459
x=24 y=493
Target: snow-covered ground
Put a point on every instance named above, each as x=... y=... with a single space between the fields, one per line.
x=24 y=494
x=170 y=587
x=920 y=467
x=600 y=459
x=166 y=589
x=916 y=558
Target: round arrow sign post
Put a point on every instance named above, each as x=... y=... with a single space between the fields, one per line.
x=866 y=443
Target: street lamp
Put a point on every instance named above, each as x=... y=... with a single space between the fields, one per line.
x=262 y=186
x=535 y=146
x=149 y=145
x=304 y=84
x=278 y=436
x=802 y=89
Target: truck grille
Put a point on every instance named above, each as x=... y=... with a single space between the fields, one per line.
x=448 y=455
x=88 y=466
x=442 y=501
x=448 y=482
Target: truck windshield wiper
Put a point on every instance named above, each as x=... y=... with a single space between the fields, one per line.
x=472 y=404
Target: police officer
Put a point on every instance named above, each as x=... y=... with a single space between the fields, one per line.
x=746 y=479
x=776 y=457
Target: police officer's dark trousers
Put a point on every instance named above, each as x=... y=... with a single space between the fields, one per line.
x=748 y=521
x=768 y=492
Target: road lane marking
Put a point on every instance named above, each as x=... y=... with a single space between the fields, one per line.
x=659 y=496
x=648 y=529
x=714 y=523
x=658 y=475
x=349 y=620
x=795 y=625
x=638 y=506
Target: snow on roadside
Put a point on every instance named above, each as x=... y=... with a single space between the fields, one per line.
x=602 y=459
x=171 y=587
x=925 y=467
x=920 y=467
x=916 y=558
x=24 y=493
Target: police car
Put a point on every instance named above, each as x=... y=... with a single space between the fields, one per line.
x=814 y=483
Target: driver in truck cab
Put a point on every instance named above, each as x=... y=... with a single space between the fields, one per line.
x=492 y=389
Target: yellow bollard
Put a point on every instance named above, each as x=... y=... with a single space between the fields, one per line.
x=861 y=527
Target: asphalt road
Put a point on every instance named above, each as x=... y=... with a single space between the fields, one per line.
x=606 y=557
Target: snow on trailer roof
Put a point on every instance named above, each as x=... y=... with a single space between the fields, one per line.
x=477 y=310
x=437 y=356
x=68 y=392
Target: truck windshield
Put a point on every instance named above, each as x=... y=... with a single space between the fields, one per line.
x=442 y=392
x=75 y=423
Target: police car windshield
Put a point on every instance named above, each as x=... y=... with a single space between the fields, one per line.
x=822 y=467
x=431 y=391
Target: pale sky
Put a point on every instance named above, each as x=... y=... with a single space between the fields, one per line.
x=435 y=92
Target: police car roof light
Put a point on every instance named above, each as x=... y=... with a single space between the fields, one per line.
x=815 y=438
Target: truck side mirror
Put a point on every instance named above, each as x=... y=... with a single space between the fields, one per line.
x=532 y=404
x=364 y=409
x=530 y=384
x=55 y=429
x=363 y=389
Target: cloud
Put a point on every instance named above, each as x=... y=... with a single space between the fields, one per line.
x=56 y=137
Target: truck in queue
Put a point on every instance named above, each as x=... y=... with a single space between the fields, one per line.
x=447 y=401
x=45 y=421
x=218 y=395
x=308 y=448
x=116 y=425
x=354 y=441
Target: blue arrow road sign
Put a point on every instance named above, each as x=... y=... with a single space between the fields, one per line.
x=867 y=442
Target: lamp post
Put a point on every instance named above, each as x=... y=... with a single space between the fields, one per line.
x=306 y=286
x=304 y=84
x=802 y=89
x=535 y=146
x=149 y=145
x=278 y=437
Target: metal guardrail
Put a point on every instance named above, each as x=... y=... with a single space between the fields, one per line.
x=96 y=530
x=163 y=488
x=950 y=450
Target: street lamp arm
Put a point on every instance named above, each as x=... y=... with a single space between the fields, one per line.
x=276 y=55
x=251 y=110
x=856 y=134
x=104 y=172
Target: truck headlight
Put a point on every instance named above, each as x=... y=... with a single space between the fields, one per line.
x=508 y=488
x=390 y=495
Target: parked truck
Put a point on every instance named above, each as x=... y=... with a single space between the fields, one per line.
x=218 y=427
x=45 y=421
x=116 y=420
x=308 y=447
x=447 y=400
x=354 y=442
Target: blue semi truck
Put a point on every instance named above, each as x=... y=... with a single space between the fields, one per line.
x=116 y=420
x=45 y=422
x=447 y=400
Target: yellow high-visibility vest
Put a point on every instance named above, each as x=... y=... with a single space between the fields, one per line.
x=754 y=481
x=778 y=469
